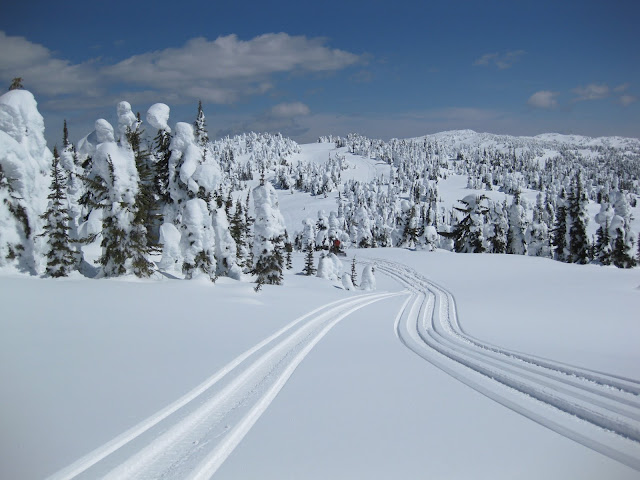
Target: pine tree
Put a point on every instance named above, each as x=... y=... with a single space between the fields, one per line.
x=516 y=243
x=602 y=253
x=16 y=84
x=559 y=232
x=238 y=232
x=621 y=255
x=288 y=247
x=144 y=206
x=467 y=234
x=309 y=267
x=162 y=141
x=578 y=240
x=354 y=273
x=268 y=236
x=201 y=135
x=60 y=257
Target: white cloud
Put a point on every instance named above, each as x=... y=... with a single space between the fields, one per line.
x=626 y=100
x=543 y=99
x=288 y=110
x=592 y=91
x=500 y=60
x=622 y=88
x=217 y=71
x=41 y=71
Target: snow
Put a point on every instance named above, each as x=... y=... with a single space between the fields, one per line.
x=158 y=116
x=372 y=411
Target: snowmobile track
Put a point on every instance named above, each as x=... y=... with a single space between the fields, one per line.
x=598 y=410
x=191 y=438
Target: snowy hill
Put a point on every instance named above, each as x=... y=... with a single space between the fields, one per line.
x=182 y=357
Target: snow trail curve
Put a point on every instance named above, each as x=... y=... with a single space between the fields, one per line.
x=598 y=410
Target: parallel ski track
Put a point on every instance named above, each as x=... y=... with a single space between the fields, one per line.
x=191 y=438
x=598 y=410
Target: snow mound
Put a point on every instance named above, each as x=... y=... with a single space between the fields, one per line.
x=158 y=116
x=368 y=281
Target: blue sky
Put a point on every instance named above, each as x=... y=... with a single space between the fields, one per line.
x=381 y=68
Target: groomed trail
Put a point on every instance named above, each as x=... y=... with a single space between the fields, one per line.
x=598 y=410
x=192 y=437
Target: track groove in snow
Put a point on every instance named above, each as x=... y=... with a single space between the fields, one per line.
x=192 y=437
x=598 y=410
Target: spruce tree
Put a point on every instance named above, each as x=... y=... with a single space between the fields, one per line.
x=143 y=219
x=354 y=273
x=602 y=246
x=200 y=130
x=288 y=248
x=621 y=255
x=559 y=232
x=16 y=84
x=60 y=257
x=309 y=267
x=162 y=141
x=578 y=240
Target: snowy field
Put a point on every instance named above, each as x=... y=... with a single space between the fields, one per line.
x=82 y=361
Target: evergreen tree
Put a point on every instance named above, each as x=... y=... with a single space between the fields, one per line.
x=60 y=257
x=578 y=240
x=288 y=247
x=559 y=232
x=602 y=253
x=467 y=234
x=144 y=218
x=309 y=267
x=162 y=141
x=65 y=135
x=516 y=243
x=354 y=273
x=621 y=255
x=497 y=228
x=201 y=135
x=238 y=232
x=268 y=236
x=16 y=84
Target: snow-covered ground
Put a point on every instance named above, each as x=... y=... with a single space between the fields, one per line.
x=82 y=361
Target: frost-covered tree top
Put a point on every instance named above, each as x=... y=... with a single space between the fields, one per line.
x=158 y=116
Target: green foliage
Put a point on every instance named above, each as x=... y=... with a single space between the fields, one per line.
x=16 y=84
x=309 y=267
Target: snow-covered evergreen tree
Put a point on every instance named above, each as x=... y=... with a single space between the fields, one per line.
x=60 y=257
x=496 y=228
x=579 y=218
x=538 y=240
x=226 y=249
x=467 y=233
x=25 y=164
x=200 y=127
x=198 y=240
x=309 y=262
x=516 y=242
x=268 y=236
x=559 y=237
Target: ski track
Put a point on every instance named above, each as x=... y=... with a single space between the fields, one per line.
x=598 y=410
x=193 y=436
